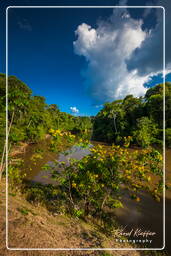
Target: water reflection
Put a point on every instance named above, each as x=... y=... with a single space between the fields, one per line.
x=75 y=152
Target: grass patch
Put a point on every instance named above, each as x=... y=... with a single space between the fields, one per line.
x=23 y=211
x=12 y=194
x=26 y=211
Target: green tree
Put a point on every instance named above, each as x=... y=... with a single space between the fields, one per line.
x=145 y=132
x=2 y=122
x=134 y=109
x=154 y=104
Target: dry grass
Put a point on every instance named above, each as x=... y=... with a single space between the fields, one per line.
x=34 y=227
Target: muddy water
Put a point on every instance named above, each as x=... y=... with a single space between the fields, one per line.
x=168 y=201
x=76 y=152
x=31 y=167
x=146 y=215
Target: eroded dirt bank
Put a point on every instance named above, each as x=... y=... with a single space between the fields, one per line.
x=34 y=227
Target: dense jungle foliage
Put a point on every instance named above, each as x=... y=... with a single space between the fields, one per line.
x=141 y=118
x=30 y=118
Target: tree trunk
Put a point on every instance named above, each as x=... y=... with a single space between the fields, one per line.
x=114 y=121
x=104 y=201
x=70 y=193
x=2 y=166
x=29 y=123
x=86 y=207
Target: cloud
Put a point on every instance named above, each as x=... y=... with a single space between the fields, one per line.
x=149 y=58
x=25 y=25
x=98 y=106
x=114 y=56
x=106 y=49
x=74 y=110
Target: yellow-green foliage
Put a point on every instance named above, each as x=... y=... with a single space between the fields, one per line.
x=98 y=179
x=15 y=174
x=59 y=137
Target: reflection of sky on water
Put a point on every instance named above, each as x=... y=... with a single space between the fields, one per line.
x=75 y=152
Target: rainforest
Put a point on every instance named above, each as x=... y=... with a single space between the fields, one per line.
x=89 y=168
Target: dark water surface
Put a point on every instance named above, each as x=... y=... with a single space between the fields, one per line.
x=44 y=176
x=146 y=215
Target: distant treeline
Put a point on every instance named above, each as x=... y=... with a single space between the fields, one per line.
x=29 y=117
x=141 y=118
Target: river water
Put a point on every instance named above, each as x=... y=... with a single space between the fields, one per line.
x=146 y=215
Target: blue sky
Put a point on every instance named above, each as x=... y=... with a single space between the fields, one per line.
x=68 y=56
x=42 y=55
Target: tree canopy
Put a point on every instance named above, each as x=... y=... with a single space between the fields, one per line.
x=141 y=118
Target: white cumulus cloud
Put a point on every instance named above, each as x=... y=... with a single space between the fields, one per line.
x=149 y=58
x=107 y=49
x=74 y=110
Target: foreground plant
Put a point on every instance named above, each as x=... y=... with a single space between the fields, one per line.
x=98 y=181
x=58 y=137
x=15 y=174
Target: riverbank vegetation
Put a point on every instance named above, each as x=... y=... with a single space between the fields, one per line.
x=30 y=118
x=141 y=118
x=33 y=226
x=98 y=181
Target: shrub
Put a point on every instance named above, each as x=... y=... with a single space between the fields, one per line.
x=15 y=174
x=146 y=129
x=96 y=181
x=168 y=137
x=35 y=134
x=17 y=134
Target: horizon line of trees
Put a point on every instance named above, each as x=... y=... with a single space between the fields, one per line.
x=30 y=117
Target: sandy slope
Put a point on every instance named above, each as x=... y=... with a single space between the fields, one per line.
x=38 y=229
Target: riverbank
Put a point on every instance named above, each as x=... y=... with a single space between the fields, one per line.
x=29 y=210
x=34 y=227
x=22 y=147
